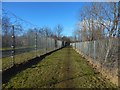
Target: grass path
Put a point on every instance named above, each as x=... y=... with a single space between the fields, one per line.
x=62 y=69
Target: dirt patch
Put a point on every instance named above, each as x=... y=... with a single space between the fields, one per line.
x=67 y=68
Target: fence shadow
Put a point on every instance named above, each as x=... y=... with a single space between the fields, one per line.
x=11 y=72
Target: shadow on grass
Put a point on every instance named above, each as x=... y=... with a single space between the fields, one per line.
x=11 y=72
x=53 y=82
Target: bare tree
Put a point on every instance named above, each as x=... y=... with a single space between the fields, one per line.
x=107 y=15
x=6 y=31
x=98 y=20
x=58 y=30
x=47 y=31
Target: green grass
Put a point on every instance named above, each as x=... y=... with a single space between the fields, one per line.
x=9 y=48
x=62 y=69
x=7 y=62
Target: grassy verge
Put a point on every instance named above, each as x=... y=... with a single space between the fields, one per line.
x=62 y=69
x=20 y=58
x=15 y=48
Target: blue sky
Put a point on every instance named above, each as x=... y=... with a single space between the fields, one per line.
x=48 y=13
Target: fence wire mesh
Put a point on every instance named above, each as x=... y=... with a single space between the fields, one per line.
x=22 y=41
x=105 y=52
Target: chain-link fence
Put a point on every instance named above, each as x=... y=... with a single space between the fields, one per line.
x=22 y=41
x=102 y=53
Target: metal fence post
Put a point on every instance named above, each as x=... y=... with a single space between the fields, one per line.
x=36 y=44
x=13 y=45
x=51 y=45
x=94 y=50
x=46 y=44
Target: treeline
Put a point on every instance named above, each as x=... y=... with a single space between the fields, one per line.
x=98 y=20
x=25 y=36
